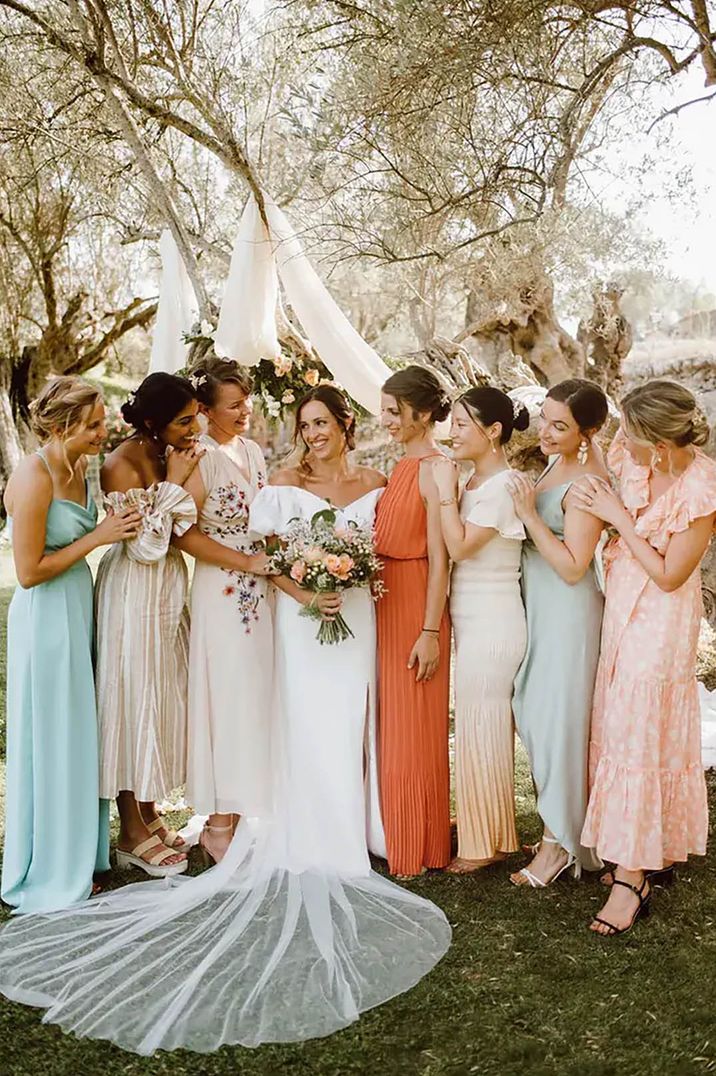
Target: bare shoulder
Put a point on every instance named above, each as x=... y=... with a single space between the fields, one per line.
x=120 y=472
x=285 y=476
x=370 y=478
x=29 y=479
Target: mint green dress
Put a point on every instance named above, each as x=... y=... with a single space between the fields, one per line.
x=56 y=829
x=554 y=686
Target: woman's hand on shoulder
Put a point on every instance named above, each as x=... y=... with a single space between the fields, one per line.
x=445 y=475
x=595 y=496
x=524 y=495
x=182 y=461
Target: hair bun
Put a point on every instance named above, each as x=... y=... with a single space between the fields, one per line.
x=130 y=412
x=443 y=407
x=700 y=428
x=522 y=416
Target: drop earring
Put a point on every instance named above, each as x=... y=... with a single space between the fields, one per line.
x=492 y=446
x=583 y=453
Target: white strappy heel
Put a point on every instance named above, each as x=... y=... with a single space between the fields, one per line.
x=537 y=883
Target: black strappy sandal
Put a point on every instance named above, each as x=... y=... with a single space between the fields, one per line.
x=663 y=877
x=641 y=912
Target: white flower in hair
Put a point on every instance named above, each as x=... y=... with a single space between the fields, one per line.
x=207 y=329
x=131 y=397
x=517 y=406
x=196 y=380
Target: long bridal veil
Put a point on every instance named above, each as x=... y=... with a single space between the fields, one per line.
x=257 y=949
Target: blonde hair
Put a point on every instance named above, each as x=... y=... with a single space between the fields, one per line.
x=664 y=411
x=62 y=407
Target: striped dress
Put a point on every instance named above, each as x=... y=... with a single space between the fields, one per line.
x=143 y=647
x=413 y=717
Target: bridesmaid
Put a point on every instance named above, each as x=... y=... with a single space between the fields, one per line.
x=563 y=602
x=231 y=643
x=143 y=623
x=484 y=539
x=413 y=633
x=56 y=831
x=647 y=805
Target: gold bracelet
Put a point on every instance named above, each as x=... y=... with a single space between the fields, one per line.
x=450 y=500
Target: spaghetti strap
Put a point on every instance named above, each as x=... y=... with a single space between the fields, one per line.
x=41 y=454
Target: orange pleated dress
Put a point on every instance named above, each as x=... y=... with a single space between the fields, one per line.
x=413 y=719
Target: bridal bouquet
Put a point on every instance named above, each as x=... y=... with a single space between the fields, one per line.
x=324 y=556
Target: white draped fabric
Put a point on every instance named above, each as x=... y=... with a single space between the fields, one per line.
x=176 y=311
x=352 y=362
x=247 y=322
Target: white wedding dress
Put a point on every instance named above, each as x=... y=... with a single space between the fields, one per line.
x=292 y=935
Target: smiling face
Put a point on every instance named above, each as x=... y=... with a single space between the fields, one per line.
x=183 y=429
x=320 y=431
x=400 y=420
x=559 y=432
x=470 y=439
x=87 y=439
x=231 y=410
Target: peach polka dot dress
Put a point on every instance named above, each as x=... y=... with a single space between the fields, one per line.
x=647 y=801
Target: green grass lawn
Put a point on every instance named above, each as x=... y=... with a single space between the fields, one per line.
x=524 y=988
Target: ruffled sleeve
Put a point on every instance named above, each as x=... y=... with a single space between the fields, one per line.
x=632 y=478
x=694 y=496
x=271 y=510
x=166 y=509
x=495 y=508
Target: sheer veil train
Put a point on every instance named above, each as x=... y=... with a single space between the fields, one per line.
x=284 y=939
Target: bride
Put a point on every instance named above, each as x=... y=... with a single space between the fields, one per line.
x=291 y=936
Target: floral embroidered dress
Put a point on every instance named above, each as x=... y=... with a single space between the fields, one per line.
x=142 y=648
x=647 y=802
x=231 y=649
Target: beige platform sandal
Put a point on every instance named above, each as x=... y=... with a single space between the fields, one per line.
x=170 y=837
x=153 y=865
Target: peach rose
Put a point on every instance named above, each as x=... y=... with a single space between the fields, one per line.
x=311 y=377
x=313 y=555
x=298 y=571
x=333 y=563
x=346 y=566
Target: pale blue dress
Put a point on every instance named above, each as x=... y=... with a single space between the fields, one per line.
x=56 y=828
x=554 y=686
